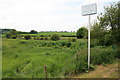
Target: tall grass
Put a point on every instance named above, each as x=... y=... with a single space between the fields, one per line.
x=26 y=58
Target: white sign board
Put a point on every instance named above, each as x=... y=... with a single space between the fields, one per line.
x=89 y=9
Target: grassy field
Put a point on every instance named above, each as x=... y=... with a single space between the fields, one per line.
x=59 y=33
x=26 y=58
x=30 y=57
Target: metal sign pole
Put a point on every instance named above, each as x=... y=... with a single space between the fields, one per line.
x=89 y=9
x=89 y=44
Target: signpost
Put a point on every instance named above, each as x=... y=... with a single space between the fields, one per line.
x=89 y=9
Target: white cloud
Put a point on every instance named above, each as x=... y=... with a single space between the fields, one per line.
x=42 y=15
x=98 y=1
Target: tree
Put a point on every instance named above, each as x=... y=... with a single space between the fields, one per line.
x=27 y=37
x=110 y=20
x=4 y=31
x=82 y=32
x=12 y=34
x=8 y=35
x=55 y=37
x=107 y=29
x=96 y=31
x=33 y=32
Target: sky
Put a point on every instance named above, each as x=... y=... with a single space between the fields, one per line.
x=47 y=15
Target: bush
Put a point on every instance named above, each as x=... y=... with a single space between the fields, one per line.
x=62 y=44
x=41 y=35
x=103 y=56
x=46 y=38
x=12 y=34
x=93 y=43
x=22 y=42
x=55 y=37
x=81 y=33
x=108 y=39
x=37 y=38
x=14 y=37
x=33 y=32
x=68 y=44
x=41 y=38
x=27 y=37
x=72 y=40
x=98 y=56
x=8 y=35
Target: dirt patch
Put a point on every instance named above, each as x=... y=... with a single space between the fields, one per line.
x=108 y=71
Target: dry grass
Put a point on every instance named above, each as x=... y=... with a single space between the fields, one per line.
x=107 y=71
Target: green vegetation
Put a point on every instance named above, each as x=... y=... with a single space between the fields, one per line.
x=30 y=57
x=55 y=37
x=33 y=32
x=107 y=30
x=12 y=34
x=102 y=71
x=27 y=37
x=48 y=34
x=82 y=33
x=27 y=58
x=24 y=55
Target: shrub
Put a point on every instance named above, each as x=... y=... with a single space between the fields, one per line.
x=33 y=32
x=108 y=39
x=81 y=33
x=27 y=37
x=22 y=42
x=81 y=63
x=46 y=38
x=14 y=37
x=98 y=56
x=72 y=40
x=55 y=37
x=62 y=44
x=12 y=34
x=68 y=44
x=93 y=43
x=103 y=56
x=8 y=35
x=37 y=38
x=41 y=38
x=41 y=35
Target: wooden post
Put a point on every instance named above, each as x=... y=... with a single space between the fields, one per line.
x=77 y=59
x=45 y=72
x=76 y=56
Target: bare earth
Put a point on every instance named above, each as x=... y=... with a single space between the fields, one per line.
x=107 y=71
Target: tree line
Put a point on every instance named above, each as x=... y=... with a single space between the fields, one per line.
x=5 y=31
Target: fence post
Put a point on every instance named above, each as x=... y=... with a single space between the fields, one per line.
x=76 y=60
x=76 y=57
x=45 y=72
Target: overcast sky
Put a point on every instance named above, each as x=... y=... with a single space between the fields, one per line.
x=46 y=15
